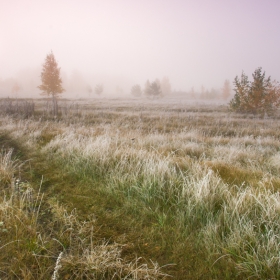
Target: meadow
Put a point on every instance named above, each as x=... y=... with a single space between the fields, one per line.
x=139 y=189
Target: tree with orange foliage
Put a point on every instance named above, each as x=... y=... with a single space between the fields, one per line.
x=257 y=97
x=51 y=81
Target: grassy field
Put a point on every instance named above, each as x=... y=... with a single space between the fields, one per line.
x=126 y=189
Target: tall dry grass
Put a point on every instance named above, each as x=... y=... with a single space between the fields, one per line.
x=178 y=171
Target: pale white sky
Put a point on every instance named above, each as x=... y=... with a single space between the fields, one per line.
x=193 y=42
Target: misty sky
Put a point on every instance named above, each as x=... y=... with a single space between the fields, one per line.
x=193 y=42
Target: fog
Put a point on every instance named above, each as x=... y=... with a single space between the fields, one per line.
x=195 y=43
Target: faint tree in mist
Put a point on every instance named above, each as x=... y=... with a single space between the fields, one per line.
x=89 y=89
x=259 y=96
x=226 y=90
x=165 y=86
x=136 y=90
x=98 y=89
x=207 y=94
x=77 y=84
x=51 y=81
x=203 y=93
x=153 y=89
x=16 y=89
x=192 y=93
x=147 y=89
x=119 y=90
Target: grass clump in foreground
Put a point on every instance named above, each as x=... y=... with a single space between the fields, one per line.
x=41 y=240
x=197 y=188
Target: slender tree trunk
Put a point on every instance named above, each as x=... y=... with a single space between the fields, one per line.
x=55 y=107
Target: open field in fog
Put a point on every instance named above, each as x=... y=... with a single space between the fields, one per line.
x=192 y=190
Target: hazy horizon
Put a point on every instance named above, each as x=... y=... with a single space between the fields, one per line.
x=193 y=42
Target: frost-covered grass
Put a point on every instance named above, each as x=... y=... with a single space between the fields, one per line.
x=193 y=186
x=41 y=240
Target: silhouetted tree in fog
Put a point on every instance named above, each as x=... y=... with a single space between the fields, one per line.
x=98 y=89
x=15 y=89
x=192 y=93
x=119 y=90
x=259 y=96
x=147 y=89
x=226 y=90
x=89 y=89
x=165 y=86
x=209 y=94
x=203 y=93
x=51 y=81
x=136 y=90
x=153 y=89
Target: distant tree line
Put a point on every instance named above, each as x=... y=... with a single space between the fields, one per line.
x=259 y=96
x=223 y=94
x=153 y=90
